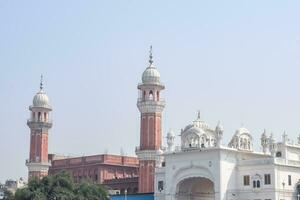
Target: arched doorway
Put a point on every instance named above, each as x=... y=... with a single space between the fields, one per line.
x=195 y=188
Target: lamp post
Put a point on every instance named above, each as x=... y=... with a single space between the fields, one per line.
x=125 y=194
x=283 y=184
x=298 y=186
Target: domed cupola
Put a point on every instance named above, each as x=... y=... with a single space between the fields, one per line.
x=242 y=140
x=151 y=75
x=198 y=135
x=41 y=99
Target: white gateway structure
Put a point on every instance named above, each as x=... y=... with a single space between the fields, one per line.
x=204 y=169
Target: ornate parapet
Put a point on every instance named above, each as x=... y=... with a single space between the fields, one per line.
x=148 y=154
x=39 y=124
x=151 y=106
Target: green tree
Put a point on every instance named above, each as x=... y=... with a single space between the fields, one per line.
x=8 y=195
x=88 y=190
x=61 y=187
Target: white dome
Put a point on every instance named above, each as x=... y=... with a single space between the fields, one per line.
x=41 y=100
x=151 y=75
x=241 y=131
x=241 y=140
x=170 y=134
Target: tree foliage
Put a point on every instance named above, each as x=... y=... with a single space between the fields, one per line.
x=8 y=195
x=61 y=187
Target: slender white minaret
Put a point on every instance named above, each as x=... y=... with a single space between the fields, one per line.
x=272 y=145
x=264 y=140
x=219 y=132
x=39 y=124
x=285 y=138
x=170 y=140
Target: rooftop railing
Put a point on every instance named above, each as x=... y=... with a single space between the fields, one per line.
x=39 y=121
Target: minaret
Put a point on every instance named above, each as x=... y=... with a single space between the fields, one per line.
x=39 y=124
x=170 y=140
x=272 y=145
x=285 y=138
x=150 y=105
x=219 y=131
x=264 y=141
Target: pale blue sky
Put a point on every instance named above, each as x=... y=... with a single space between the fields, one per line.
x=236 y=61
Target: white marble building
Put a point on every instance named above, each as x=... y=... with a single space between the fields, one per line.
x=204 y=168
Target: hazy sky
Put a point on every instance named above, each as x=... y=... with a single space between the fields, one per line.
x=236 y=61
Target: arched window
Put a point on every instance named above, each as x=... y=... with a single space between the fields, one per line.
x=202 y=142
x=256 y=181
x=144 y=95
x=39 y=116
x=157 y=95
x=241 y=142
x=245 y=143
x=151 y=95
x=45 y=117
x=256 y=184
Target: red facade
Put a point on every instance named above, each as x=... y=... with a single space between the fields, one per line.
x=38 y=146
x=114 y=171
x=150 y=138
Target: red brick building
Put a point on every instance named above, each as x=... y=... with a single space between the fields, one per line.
x=114 y=171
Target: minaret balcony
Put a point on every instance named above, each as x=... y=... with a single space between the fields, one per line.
x=28 y=162
x=147 y=154
x=143 y=86
x=33 y=123
x=151 y=106
x=38 y=166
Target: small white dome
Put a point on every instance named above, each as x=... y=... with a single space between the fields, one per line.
x=151 y=75
x=264 y=134
x=170 y=134
x=241 y=131
x=41 y=100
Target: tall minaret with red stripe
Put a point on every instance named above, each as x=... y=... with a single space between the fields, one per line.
x=39 y=124
x=150 y=105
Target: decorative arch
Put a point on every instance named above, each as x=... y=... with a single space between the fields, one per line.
x=151 y=95
x=256 y=181
x=191 y=171
x=39 y=116
x=45 y=117
x=191 y=140
x=195 y=188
